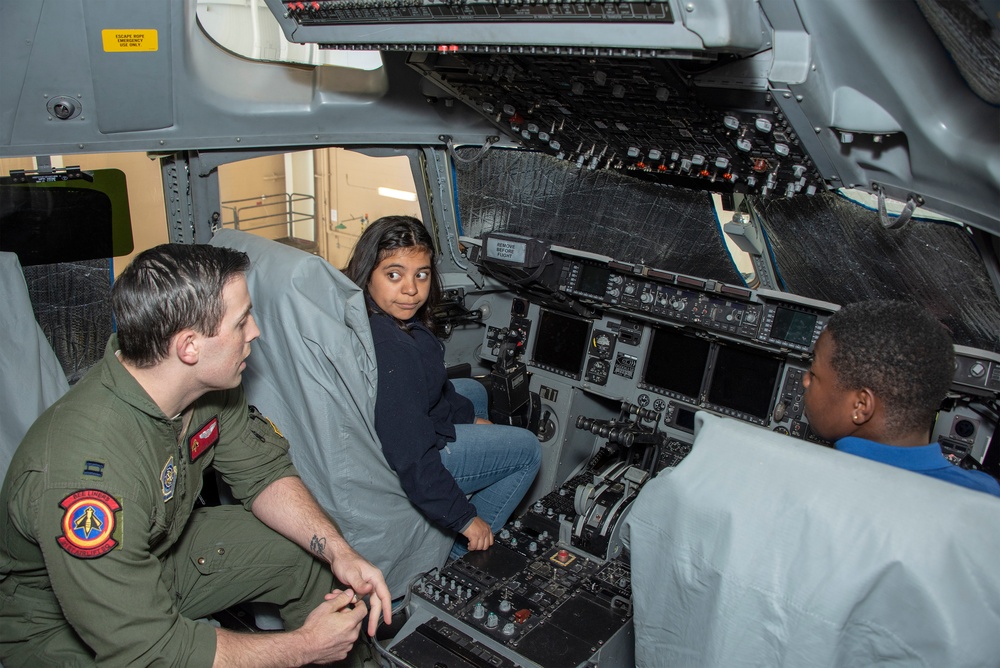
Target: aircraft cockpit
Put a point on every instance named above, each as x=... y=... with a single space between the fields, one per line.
x=645 y=214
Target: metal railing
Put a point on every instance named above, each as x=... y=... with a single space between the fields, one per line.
x=278 y=210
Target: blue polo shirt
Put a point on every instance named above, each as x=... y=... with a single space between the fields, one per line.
x=925 y=459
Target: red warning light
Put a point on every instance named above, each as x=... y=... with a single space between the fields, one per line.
x=640 y=165
x=760 y=165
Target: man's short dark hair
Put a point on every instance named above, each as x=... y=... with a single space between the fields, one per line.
x=899 y=351
x=167 y=289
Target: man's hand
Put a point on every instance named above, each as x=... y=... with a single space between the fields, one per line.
x=287 y=507
x=356 y=572
x=479 y=535
x=332 y=628
x=327 y=635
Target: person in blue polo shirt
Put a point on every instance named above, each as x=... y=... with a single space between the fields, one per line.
x=879 y=373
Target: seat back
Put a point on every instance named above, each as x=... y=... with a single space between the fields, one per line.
x=31 y=377
x=313 y=373
x=763 y=550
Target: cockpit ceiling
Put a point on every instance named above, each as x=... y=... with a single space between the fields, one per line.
x=825 y=247
x=772 y=98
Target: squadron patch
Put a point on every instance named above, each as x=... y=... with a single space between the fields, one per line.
x=167 y=478
x=88 y=523
x=206 y=436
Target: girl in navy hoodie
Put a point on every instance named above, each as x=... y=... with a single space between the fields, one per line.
x=463 y=472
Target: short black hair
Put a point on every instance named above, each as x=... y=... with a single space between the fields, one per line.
x=384 y=237
x=167 y=289
x=899 y=351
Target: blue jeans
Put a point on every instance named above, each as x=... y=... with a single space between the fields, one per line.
x=496 y=464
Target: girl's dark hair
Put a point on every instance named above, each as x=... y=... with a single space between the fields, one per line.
x=384 y=237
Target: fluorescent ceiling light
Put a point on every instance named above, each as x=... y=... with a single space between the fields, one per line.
x=397 y=194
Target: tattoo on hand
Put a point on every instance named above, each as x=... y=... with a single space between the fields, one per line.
x=318 y=545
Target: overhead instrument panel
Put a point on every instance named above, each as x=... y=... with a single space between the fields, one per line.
x=654 y=118
x=773 y=99
x=587 y=27
x=661 y=91
x=327 y=12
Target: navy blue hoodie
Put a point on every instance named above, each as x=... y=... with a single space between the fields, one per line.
x=415 y=416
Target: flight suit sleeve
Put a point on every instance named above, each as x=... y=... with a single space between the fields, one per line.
x=111 y=589
x=252 y=453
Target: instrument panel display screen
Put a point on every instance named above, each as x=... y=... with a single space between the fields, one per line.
x=593 y=280
x=793 y=326
x=561 y=343
x=676 y=362
x=744 y=381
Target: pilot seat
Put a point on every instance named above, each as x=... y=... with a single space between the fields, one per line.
x=30 y=372
x=313 y=373
x=763 y=550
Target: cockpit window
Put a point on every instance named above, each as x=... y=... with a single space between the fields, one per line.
x=318 y=201
x=597 y=211
x=825 y=247
x=831 y=248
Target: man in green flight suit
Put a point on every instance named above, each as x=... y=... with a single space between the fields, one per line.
x=104 y=557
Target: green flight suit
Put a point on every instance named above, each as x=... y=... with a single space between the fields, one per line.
x=104 y=558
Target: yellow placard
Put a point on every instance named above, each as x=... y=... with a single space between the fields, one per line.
x=129 y=40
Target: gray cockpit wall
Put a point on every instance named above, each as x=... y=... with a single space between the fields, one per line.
x=864 y=94
x=868 y=89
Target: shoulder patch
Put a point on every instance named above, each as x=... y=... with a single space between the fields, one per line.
x=206 y=436
x=88 y=523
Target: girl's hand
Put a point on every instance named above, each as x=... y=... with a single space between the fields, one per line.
x=479 y=535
